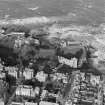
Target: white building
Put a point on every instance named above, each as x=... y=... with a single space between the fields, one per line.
x=94 y=80
x=25 y=90
x=1 y=102
x=59 y=76
x=28 y=73
x=30 y=103
x=72 y=62
x=2 y=75
x=47 y=103
x=41 y=76
x=16 y=103
x=12 y=71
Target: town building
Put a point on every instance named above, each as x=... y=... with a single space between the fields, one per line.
x=47 y=103
x=28 y=73
x=13 y=71
x=26 y=90
x=70 y=62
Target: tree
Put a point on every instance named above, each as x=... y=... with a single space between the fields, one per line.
x=3 y=90
x=16 y=28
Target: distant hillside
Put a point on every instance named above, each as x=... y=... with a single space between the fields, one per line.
x=82 y=11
